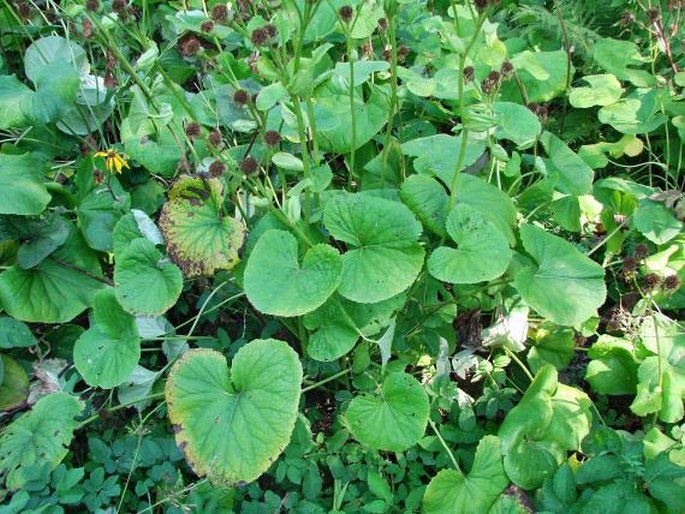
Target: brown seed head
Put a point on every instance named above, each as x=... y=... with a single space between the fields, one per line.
x=92 y=5
x=672 y=283
x=272 y=138
x=641 y=251
x=241 y=97
x=219 y=13
x=259 y=36
x=468 y=74
x=216 y=168
x=346 y=12
x=215 y=138
x=249 y=165
x=193 y=130
x=507 y=70
x=207 y=26
x=651 y=281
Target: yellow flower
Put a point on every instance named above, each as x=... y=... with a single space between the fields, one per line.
x=114 y=162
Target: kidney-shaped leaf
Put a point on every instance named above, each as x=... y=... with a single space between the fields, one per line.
x=482 y=251
x=39 y=436
x=231 y=425
x=275 y=282
x=147 y=282
x=452 y=492
x=384 y=257
x=200 y=237
x=109 y=350
x=393 y=420
x=566 y=287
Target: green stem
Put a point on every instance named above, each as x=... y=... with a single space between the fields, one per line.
x=326 y=380
x=444 y=445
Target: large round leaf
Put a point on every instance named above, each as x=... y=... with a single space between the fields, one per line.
x=482 y=251
x=100 y=211
x=15 y=334
x=275 y=282
x=566 y=287
x=37 y=437
x=108 y=352
x=200 y=237
x=384 y=257
x=393 y=420
x=58 y=289
x=39 y=237
x=452 y=492
x=427 y=199
x=146 y=281
x=22 y=185
x=231 y=425
x=516 y=123
x=489 y=200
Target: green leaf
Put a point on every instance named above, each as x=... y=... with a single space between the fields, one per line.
x=543 y=74
x=107 y=353
x=231 y=425
x=656 y=222
x=146 y=281
x=14 y=384
x=482 y=250
x=427 y=200
x=489 y=200
x=21 y=182
x=516 y=123
x=15 y=334
x=438 y=155
x=618 y=57
x=40 y=238
x=275 y=283
x=555 y=347
x=639 y=114
x=39 y=436
x=613 y=368
x=100 y=211
x=201 y=238
x=566 y=287
x=56 y=88
x=393 y=420
x=15 y=100
x=58 y=289
x=383 y=257
x=603 y=90
x=452 y=492
x=661 y=376
x=51 y=49
x=575 y=177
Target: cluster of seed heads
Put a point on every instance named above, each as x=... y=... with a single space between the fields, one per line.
x=262 y=36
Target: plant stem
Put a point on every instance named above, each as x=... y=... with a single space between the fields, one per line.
x=325 y=380
x=444 y=445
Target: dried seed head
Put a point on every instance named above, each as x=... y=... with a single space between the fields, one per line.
x=119 y=6
x=92 y=5
x=207 y=26
x=24 y=10
x=216 y=168
x=507 y=70
x=387 y=54
x=271 y=30
x=87 y=28
x=540 y=110
x=672 y=283
x=488 y=86
x=480 y=5
x=259 y=36
x=629 y=266
x=109 y=80
x=249 y=165
x=468 y=74
x=382 y=25
x=627 y=18
x=653 y=14
x=494 y=77
x=651 y=281
x=189 y=45
x=346 y=13
x=241 y=97
x=272 y=138
x=215 y=138
x=193 y=130
x=219 y=13
x=641 y=251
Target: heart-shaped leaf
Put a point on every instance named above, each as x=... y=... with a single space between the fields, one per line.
x=231 y=425
x=109 y=350
x=566 y=287
x=276 y=284
x=200 y=237
x=58 y=289
x=14 y=384
x=384 y=257
x=427 y=199
x=452 y=492
x=604 y=90
x=482 y=250
x=39 y=236
x=15 y=334
x=394 y=419
x=100 y=211
x=146 y=282
x=39 y=436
